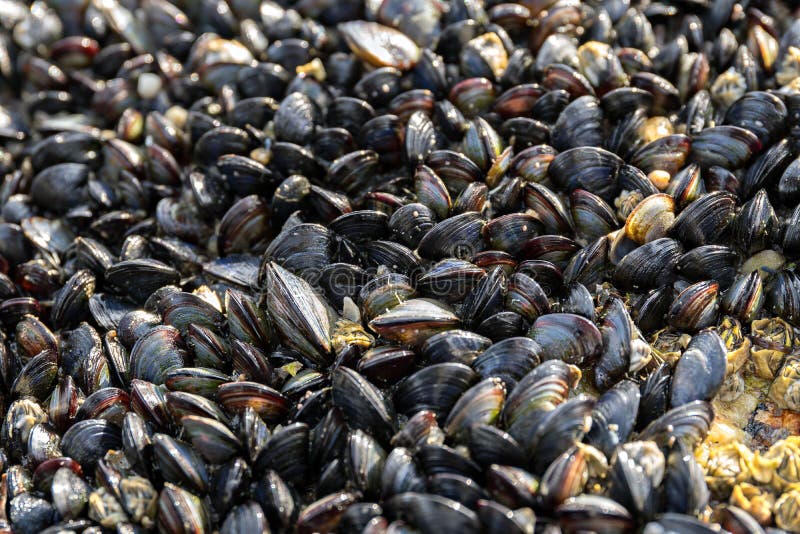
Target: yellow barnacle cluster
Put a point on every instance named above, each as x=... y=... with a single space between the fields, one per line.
x=772 y=339
x=764 y=483
x=346 y=333
x=785 y=389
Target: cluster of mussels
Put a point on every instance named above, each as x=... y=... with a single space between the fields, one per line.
x=399 y=266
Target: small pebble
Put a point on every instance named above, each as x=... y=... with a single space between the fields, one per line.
x=660 y=179
x=149 y=85
x=261 y=155
x=177 y=115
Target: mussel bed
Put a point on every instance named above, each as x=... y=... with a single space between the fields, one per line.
x=399 y=266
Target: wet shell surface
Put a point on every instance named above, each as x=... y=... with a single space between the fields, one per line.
x=399 y=266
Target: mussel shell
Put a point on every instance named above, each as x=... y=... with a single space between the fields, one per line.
x=650 y=265
x=157 y=352
x=700 y=370
x=88 y=441
x=139 y=278
x=509 y=359
x=688 y=423
x=436 y=388
x=704 y=220
x=579 y=124
x=590 y=168
x=419 y=508
x=481 y=404
x=458 y=236
x=379 y=45
x=567 y=337
x=178 y=508
x=363 y=405
x=591 y=215
x=460 y=346
x=299 y=315
x=412 y=221
x=729 y=147
x=760 y=112
x=267 y=402
x=772 y=164
x=509 y=232
x=450 y=279
x=696 y=307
